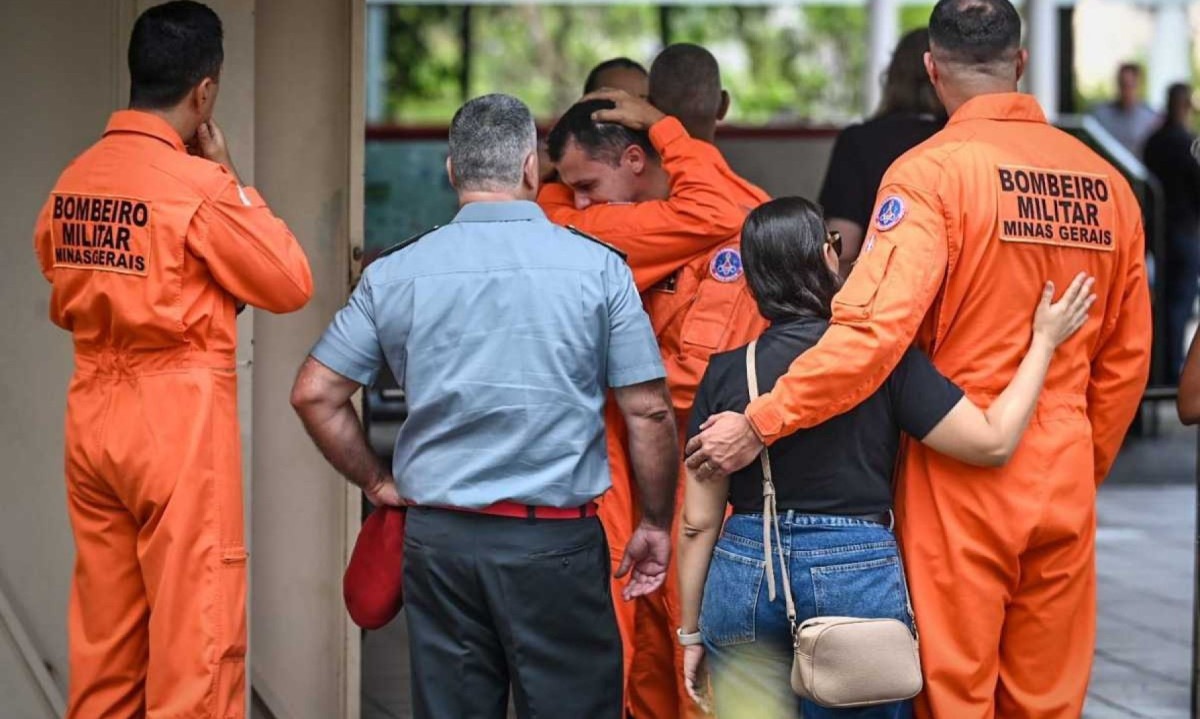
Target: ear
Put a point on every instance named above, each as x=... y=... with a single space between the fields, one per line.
x=832 y=261
x=450 y=172
x=724 y=109
x=204 y=94
x=530 y=171
x=930 y=67
x=635 y=156
x=1022 y=61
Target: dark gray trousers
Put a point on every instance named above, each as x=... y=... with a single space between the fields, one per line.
x=493 y=602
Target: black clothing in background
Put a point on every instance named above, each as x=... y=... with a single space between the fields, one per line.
x=843 y=466
x=861 y=156
x=1168 y=155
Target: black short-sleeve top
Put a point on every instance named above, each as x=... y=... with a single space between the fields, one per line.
x=843 y=466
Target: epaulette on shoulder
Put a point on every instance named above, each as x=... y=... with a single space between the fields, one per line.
x=597 y=240
x=405 y=243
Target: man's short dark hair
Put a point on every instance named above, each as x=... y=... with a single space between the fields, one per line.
x=685 y=81
x=173 y=47
x=975 y=32
x=1130 y=67
x=1179 y=96
x=604 y=141
x=592 y=83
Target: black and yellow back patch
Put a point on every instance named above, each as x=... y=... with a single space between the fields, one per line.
x=101 y=232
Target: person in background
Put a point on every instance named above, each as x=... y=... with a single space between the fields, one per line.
x=1128 y=118
x=619 y=73
x=1169 y=157
x=909 y=114
x=833 y=482
x=1187 y=402
x=151 y=244
x=505 y=331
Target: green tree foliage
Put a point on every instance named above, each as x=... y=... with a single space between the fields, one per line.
x=780 y=64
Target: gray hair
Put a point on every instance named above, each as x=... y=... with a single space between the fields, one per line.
x=490 y=137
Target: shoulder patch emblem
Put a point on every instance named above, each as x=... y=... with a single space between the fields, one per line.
x=405 y=243
x=891 y=212
x=597 y=240
x=726 y=265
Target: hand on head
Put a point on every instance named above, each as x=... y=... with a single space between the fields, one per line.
x=633 y=112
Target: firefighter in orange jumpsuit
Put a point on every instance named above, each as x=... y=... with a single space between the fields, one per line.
x=679 y=224
x=151 y=251
x=968 y=226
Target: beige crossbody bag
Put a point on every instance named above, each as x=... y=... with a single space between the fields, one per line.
x=839 y=662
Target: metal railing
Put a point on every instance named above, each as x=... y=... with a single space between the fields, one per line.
x=1150 y=194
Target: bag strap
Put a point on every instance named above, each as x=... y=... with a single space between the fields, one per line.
x=770 y=512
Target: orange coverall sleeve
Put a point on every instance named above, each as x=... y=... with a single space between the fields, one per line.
x=249 y=251
x=876 y=315
x=42 y=242
x=660 y=236
x=1121 y=363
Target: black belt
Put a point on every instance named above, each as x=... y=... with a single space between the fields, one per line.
x=885 y=518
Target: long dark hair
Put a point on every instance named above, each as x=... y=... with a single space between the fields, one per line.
x=783 y=248
x=906 y=87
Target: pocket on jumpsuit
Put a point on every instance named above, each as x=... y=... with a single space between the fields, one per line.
x=872 y=589
x=231 y=633
x=727 y=612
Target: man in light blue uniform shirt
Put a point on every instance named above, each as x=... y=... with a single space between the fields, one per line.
x=506 y=332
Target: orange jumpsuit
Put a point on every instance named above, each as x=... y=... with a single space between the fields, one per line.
x=148 y=250
x=968 y=227
x=686 y=261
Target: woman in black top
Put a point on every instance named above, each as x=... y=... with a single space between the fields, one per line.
x=833 y=482
x=909 y=114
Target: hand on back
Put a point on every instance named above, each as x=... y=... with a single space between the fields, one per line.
x=1055 y=322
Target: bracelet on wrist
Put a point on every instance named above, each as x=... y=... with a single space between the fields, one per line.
x=688 y=639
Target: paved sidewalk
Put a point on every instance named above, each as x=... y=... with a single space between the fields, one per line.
x=1145 y=547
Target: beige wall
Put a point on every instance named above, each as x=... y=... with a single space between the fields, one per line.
x=60 y=84
x=288 y=112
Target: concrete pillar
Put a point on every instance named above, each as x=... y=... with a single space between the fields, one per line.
x=1170 y=53
x=883 y=31
x=308 y=125
x=1041 y=17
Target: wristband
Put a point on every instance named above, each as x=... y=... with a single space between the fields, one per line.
x=688 y=639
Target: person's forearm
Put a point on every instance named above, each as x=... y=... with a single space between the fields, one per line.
x=693 y=558
x=654 y=455
x=1011 y=411
x=702 y=515
x=339 y=435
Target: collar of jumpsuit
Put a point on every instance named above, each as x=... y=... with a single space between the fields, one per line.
x=144 y=123
x=1000 y=106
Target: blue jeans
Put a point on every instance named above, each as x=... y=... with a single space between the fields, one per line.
x=838 y=566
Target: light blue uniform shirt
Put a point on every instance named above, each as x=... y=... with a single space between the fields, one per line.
x=505 y=332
